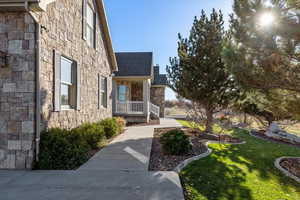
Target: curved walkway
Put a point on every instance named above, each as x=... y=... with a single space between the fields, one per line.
x=117 y=172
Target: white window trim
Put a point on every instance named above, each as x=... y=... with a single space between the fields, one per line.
x=103 y=91
x=67 y=107
x=90 y=26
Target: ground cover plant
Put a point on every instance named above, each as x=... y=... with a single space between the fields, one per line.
x=240 y=172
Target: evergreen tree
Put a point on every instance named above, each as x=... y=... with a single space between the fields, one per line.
x=198 y=73
x=265 y=56
x=271 y=105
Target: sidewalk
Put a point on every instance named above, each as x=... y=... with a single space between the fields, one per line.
x=117 y=172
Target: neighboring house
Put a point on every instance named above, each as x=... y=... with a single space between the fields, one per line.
x=56 y=66
x=138 y=88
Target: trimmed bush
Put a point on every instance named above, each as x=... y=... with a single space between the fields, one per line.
x=110 y=127
x=93 y=133
x=121 y=124
x=175 y=142
x=62 y=149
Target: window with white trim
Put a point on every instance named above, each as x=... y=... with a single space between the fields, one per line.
x=90 y=26
x=67 y=84
x=122 y=93
x=103 y=92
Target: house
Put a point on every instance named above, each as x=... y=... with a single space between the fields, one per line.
x=56 y=66
x=138 y=87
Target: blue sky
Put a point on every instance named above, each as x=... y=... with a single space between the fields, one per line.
x=153 y=25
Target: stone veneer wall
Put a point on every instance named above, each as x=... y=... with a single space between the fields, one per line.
x=17 y=91
x=158 y=98
x=63 y=32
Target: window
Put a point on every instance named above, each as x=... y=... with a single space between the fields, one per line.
x=90 y=26
x=67 y=84
x=103 y=92
x=122 y=93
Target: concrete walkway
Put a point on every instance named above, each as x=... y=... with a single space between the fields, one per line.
x=117 y=172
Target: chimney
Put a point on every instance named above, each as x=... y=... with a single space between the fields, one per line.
x=156 y=71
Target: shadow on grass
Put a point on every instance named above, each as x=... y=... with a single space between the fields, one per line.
x=237 y=172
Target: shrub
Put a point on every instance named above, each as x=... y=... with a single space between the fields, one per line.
x=110 y=126
x=62 y=149
x=175 y=142
x=93 y=133
x=68 y=149
x=121 y=124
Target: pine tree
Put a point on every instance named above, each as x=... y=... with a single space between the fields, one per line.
x=271 y=105
x=265 y=57
x=198 y=73
x=265 y=60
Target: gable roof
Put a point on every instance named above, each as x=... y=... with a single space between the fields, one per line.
x=134 y=64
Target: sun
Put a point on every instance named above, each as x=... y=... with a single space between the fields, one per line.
x=266 y=19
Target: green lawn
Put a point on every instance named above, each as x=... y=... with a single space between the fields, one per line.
x=241 y=172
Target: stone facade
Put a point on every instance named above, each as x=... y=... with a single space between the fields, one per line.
x=61 y=31
x=158 y=98
x=17 y=90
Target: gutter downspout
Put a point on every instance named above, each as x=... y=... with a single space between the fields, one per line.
x=37 y=87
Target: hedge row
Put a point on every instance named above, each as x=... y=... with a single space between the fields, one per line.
x=62 y=149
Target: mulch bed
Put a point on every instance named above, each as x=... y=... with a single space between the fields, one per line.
x=261 y=134
x=151 y=122
x=159 y=161
x=292 y=165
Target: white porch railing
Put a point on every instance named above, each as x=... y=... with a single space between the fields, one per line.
x=154 y=109
x=130 y=107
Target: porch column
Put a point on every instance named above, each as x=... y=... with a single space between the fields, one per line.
x=146 y=98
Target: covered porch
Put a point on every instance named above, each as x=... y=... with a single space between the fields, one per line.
x=131 y=98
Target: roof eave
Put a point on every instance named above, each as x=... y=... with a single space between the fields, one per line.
x=159 y=85
x=24 y=5
x=132 y=77
x=107 y=36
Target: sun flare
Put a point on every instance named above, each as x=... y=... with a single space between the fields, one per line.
x=266 y=19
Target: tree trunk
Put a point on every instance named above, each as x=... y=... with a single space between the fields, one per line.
x=209 y=120
x=270 y=122
x=245 y=118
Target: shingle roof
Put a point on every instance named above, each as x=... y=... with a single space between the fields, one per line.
x=134 y=64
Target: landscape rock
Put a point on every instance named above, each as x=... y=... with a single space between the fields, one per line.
x=274 y=131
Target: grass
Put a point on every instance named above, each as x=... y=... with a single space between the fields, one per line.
x=175 y=111
x=241 y=172
x=216 y=127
